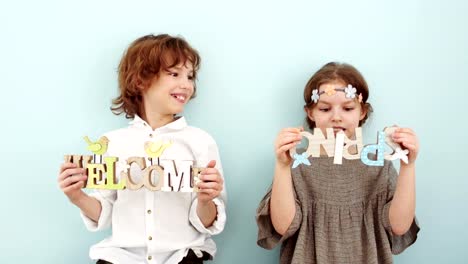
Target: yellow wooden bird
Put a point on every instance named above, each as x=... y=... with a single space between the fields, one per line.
x=99 y=147
x=155 y=149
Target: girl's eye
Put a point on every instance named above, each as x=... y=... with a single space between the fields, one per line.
x=190 y=77
x=324 y=109
x=349 y=109
x=173 y=74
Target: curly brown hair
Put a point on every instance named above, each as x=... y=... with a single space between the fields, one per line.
x=335 y=71
x=144 y=59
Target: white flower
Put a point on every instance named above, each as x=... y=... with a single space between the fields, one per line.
x=350 y=91
x=315 y=96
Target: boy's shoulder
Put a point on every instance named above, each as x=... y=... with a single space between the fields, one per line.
x=117 y=132
x=192 y=132
x=199 y=133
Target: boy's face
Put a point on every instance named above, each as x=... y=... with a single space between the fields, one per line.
x=170 y=90
x=336 y=111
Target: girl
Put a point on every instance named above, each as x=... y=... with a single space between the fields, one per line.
x=156 y=79
x=349 y=213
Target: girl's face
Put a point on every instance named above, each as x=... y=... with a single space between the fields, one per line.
x=170 y=90
x=336 y=111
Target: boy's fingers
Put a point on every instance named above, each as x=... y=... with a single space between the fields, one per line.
x=207 y=171
x=211 y=164
x=210 y=185
x=71 y=180
x=67 y=165
x=210 y=178
x=68 y=172
x=73 y=187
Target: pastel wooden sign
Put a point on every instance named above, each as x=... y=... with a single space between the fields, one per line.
x=340 y=146
x=166 y=175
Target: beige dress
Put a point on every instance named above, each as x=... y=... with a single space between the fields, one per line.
x=341 y=215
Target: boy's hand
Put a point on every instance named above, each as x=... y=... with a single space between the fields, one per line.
x=211 y=183
x=408 y=139
x=71 y=179
x=286 y=140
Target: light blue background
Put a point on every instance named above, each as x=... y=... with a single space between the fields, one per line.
x=58 y=75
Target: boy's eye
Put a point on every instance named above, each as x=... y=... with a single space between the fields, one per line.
x=173 y=74
x=190 y=77
x=324 y=109
x=349 y=108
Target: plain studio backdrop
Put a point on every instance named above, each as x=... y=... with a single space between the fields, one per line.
x=58 y=71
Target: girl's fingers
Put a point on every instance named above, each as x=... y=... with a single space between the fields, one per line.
x=292 y=130
x=405 y=130
x=285 y=148
x=409 y=146
x=287 y=141
x=281 y=140
x=401 y=132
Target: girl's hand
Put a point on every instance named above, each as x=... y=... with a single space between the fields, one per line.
x=211 y=183
x=408 y=139
x=287 y=139
x=71 y=179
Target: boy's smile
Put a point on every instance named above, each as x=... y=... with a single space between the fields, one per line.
x=180 y=97
x=169 y=91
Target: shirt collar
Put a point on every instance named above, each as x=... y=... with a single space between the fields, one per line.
x=177 y=124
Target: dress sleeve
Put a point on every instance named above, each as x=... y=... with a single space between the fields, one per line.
x=397 y=243
x=267 y=236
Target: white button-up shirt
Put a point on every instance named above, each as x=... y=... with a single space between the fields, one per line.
x=155 y=226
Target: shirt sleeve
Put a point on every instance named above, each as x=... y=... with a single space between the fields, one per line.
x=397 y=243
x=211 y=153
x=106 y=198
x=217 y=226
x=267 y=236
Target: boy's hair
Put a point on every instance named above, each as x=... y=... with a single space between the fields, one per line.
x=144 y=59
x=335 y=71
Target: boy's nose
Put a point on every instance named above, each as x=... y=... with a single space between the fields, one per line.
x=186 y=84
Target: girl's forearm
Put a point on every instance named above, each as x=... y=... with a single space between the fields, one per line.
x=402 y=208
x=282 y=204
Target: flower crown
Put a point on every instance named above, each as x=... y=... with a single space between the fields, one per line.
x=350 y=92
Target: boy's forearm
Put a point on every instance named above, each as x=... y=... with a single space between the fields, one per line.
x=207 y=213
x=403 y=205
x=90 y=206
x=282 y=204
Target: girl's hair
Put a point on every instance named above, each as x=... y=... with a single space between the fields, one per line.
x=335 y=71
x=144 y=59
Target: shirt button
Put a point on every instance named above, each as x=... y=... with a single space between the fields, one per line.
x=150 y=135
x=150 y=238
x=149 y=211
x=149 y=257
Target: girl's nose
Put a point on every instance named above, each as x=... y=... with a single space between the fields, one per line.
x=336 y=115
